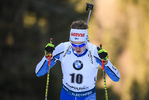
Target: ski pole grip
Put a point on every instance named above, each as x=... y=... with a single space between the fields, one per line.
x=89 y=6
x=100 y=46
x=51 y=39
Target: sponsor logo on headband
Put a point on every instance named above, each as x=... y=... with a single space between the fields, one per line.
x=78 y=34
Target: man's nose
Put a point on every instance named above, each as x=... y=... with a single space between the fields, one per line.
x=77 y=48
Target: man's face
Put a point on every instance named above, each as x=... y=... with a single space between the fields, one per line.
x=78 y=46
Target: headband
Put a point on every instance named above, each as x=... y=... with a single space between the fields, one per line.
x=78 y=34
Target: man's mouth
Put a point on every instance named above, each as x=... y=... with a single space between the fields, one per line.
x=78 y=51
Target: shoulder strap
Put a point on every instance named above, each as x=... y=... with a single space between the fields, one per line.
x=91 y=54
x=66 y=49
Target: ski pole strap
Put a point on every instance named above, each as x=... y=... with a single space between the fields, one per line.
x=79 y=94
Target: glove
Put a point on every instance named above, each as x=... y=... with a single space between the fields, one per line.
x=49 y=48
x=102 y=54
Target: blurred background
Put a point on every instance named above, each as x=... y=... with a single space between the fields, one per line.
x=27 y=25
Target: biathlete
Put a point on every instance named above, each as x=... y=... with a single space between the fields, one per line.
x=80 y=61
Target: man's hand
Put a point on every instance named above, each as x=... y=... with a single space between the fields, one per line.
x=49 y=48
x=103 y=54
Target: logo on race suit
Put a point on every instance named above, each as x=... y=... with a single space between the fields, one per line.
x=78 y=34
x=69 y=52
x=78 y=65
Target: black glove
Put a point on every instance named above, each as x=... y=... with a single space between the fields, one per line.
x=102 y=54
x=49 y=48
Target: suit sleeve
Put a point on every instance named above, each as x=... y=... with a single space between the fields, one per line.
x=42 y=66
x=111 y=71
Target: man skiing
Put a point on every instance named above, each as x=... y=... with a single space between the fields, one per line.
x=80 y=61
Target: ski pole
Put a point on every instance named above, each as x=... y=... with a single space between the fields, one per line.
x=89 y=6
x=103 y=70
x=48 y=74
